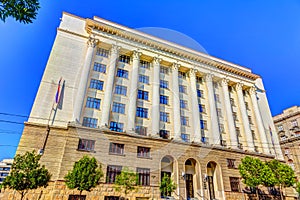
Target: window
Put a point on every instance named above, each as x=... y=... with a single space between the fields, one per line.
x=164 y=84
x=76 y=197
x=116 y=148
x=217 y=97
x=294 y=123
x=96 y=84
x=143 y=94
x=93 y=103
x=199 y=80
x=184 y=120
x=234 y=115
x=164 y=134
x=286 y=151
x=202 y=108
x=86 y=145
x=90 y=122
x=232 y=102
x=182 y=89
x=230 y=163
x=253 y=134
x=142 y=112
x=111 y=198
x=200 y=93
x=164 y=117
x=238 y=132
x=112 y=172
x=182 y=75
x=141 y=130
x=102 y=52
x=216 y=85
x=120 y=89
x=99 y=67
x=164 y=70
x=203 y=124
x=122 y=73
x=118 y=108
x=144 y=64
x=115 y=126
x=164 y=99
x=247 y=105
x=219 y=112
x=143 y=176
x=185 y=137
x=280 y=128
x=250 y=120
x=221 y=128
x=144 y=79
x=143 y=152
x=183 y=104
x=234 y=184
x=124 y=58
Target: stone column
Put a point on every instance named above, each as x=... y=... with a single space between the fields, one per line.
x=259 y=122
x=229 y=115
x=176 y=102
x=155 y=95
x=84 y=78
x=195 y=107
x=246 y=124
x=214 y=137
x=109 y=85
x=133 y=91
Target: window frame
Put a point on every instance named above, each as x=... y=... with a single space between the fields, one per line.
x=116 y=148
x=86 y=145
x=99 y=67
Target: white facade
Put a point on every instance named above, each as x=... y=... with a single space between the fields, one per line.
x=165 y=84
x=5 y=166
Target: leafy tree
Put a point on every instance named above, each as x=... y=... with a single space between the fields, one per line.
x=21 y=10
x=167 y=186
x=284 y=174
x=26 y=174
x=298 y=188
x=126 y=181
x=85 y=174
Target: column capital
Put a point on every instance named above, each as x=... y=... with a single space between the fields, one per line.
x=208 y=77
x=175 y=66
x=192 y=72
x=252 y=90
x=157 y=60
x=225 y=81
x=92 y=42
x=115 y=49
x=136 y=55
x=239 y=86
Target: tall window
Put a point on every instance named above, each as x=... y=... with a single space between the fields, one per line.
x=164 y=84
x=250 y=120
x=164 y=99
x=232 y=102
x=164 y=70
x=116 y=148
x=144 y=79
x=93 y=103
x=142 y=112
x=237 y=130
x=217 y=97
x=234 y=116
x=182 y=75
x=124 y=58
x=202 y=108
x=96 y=84
x=203 y=124
x=118 y=108
x=200 y=93
x=164 y=117
x=219 y=112
x=234 y=184
x=199 y=79
x=247 y=105
x=90 y=122
x=182 y=89
x=143 y=176
x=184 y=120
x=122 y=73
x=102 y=52
x=86 y=145
x=183 y=104
x=143 y=152
x=141 y=130
x=115 y=126
x=230 y=163
x=143 y=94
x=120 y=89
x=185 y=137
x=99 y=67
x=112 y=172
x=144 y=64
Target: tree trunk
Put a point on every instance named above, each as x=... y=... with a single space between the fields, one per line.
x=256 y=189
x=22 y=195
x=80 y=194
x=280 y=190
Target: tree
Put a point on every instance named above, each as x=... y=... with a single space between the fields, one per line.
x=298 y=188
x=126 y=181
x=26 y=174
x=167 y=186
x=23 y=11
x=284 y=174
x=85 y=175
x=255 y=172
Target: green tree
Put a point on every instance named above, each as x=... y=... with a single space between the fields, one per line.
x=284 y=174
x=255 y=172
x=167 y=186
x=126 y=181
x=298 y=188
x=85 y=175
x=23 y=11
x=26 y=174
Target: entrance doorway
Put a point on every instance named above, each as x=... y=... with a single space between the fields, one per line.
x=210 y=179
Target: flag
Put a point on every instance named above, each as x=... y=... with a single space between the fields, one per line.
x=58 y=92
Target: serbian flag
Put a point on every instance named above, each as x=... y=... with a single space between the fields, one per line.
x=57 y=96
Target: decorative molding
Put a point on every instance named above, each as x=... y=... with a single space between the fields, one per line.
x=136 y=55
x=225 y=81
x=115 y=49
x=239 y=86
x=92 y=42
x=208 y=77
x=252 y=90
x=175 y=66
x=156 y=60
x=192 y=72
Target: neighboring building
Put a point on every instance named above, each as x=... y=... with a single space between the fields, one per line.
x=133 y=100
x=288 y=128
x=5 y=166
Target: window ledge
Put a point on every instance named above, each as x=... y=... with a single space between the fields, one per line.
x=150 y=158
x=83 y=150
x=116 y=154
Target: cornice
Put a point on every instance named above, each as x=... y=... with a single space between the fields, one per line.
x=282 y=117
x=72 y=33
x=183 y=53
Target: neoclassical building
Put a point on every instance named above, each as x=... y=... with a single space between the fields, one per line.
x=133 y=100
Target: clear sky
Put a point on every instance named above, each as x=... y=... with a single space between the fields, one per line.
x=261 y=35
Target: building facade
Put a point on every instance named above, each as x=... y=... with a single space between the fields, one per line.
x=287 y=124
x=133 y=100
x=5 y=166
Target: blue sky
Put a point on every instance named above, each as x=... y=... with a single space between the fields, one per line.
x=261 y=35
